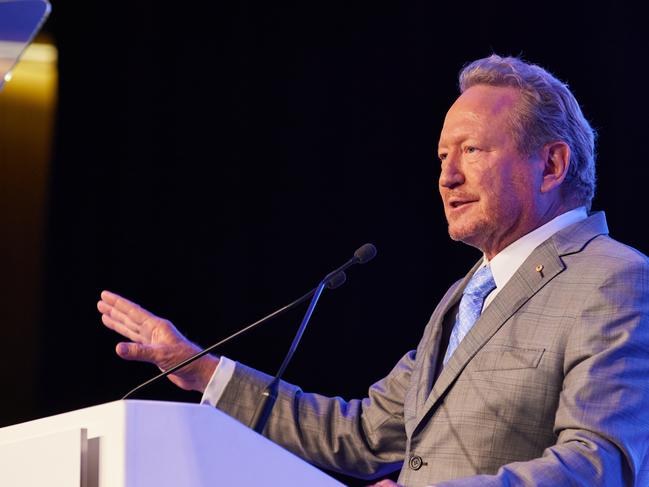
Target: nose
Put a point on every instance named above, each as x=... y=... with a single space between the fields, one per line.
x=451 y=175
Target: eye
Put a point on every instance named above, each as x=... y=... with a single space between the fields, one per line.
x=470 y=149
x=442 y=156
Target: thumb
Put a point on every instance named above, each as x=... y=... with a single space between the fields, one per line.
x=135 y=351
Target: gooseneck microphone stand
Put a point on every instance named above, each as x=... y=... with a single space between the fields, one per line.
x=269 y=395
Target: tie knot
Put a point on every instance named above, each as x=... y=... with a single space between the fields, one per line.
x=481 y=283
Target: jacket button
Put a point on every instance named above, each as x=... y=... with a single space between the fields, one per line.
x=415 y=462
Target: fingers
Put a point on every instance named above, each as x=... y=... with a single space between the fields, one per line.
x=125 y=317
x=135 y=351
x=121 y=323
x=154 y=340
x=115 y=313
x=111 y=297
x=121 y=328
x=160 y=355
x=136 y=313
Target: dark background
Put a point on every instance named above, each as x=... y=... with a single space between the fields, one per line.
x=213 y=160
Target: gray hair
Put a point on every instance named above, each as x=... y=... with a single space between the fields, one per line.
x=547 y=112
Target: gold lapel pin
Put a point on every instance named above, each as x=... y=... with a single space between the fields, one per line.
x=539 y=269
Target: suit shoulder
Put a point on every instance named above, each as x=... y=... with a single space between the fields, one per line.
x=603 y=261
x=609 y=250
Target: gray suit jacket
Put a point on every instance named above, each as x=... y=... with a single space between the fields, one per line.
x=550 y=386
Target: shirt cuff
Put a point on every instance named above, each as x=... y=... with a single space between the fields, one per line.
x=220 y=379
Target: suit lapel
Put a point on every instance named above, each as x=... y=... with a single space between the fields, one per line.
x=538 y=269
x=425 y=374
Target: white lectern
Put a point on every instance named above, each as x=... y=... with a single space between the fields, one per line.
x=147 y=444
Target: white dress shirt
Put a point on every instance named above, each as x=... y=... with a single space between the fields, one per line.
x=503 y=266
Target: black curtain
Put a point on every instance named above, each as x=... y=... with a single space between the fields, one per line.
x=214 y=160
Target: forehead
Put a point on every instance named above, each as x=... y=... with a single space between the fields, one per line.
x=480 y=110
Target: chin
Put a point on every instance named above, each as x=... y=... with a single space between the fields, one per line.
x=468 y=234
x=459 y=235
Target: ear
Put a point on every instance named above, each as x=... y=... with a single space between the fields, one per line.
x=556 y=156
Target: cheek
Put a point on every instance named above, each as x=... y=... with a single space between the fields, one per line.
x=493 y=191
x=524 y=187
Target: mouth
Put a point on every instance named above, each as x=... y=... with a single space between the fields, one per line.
x=459 y=203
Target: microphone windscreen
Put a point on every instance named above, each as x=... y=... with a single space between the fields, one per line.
x=365 y=253
x=337 y=280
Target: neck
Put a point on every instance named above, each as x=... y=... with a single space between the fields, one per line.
x=513 y=234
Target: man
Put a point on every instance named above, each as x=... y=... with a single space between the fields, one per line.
x=531 y=369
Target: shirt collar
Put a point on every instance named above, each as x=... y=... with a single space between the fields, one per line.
x=505 y=264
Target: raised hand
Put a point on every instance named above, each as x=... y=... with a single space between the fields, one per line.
x=155 y=340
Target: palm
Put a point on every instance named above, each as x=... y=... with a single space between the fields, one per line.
x=154 y=340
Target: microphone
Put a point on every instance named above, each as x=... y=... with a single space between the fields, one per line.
x=336 y=280
x=364 y=254
x=332 y=280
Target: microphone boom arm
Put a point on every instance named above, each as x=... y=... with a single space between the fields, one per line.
x=331 y=281
x=204 y=352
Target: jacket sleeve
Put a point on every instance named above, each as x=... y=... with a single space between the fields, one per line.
x=364 y=438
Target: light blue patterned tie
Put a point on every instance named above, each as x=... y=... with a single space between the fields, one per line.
x=480 y=285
